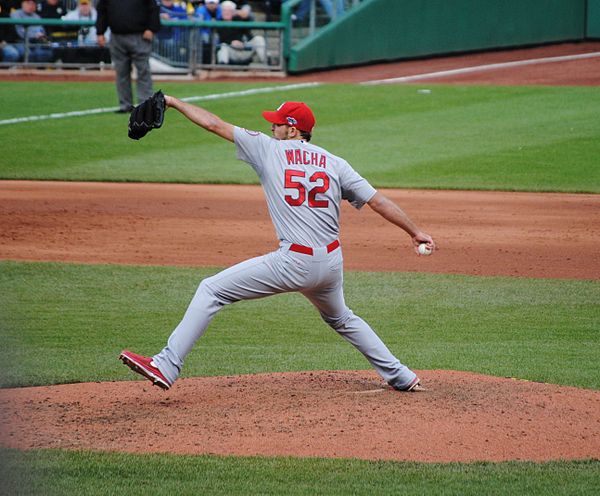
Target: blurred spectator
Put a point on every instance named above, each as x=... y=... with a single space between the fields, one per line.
x=55 y=9
x=7 y=31
x=7 y=6
x=304 y=8
x=9 y=52
x=132 y=24
x=84 y=12
x=210 y=11
x=31 y=32
x=192 y=5
x=238 y=45
x=35 y=35
x=172 y=11
x=52 y=9
x=8 y=35
x=172 y=41
x=272 y=9
x=244 y=10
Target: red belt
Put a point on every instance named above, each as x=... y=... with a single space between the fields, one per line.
x=307 y=250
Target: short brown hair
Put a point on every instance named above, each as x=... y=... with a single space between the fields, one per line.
x=306 y=136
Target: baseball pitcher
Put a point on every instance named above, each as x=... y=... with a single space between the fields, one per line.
x=304 y=186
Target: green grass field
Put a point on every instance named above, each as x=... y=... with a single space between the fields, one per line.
x=543 y=330
x=61 y=472
x=510 y=138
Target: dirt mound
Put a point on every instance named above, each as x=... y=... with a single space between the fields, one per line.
x=460 y=417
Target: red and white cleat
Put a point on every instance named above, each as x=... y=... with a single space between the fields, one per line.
x=414 y=386
x=144 y=366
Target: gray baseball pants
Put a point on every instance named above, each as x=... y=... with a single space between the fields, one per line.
x=125 y=50
x=319 y=277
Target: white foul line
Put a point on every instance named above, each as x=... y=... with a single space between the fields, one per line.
x=214 y=96
x=252 y=91
x=271 y=89
x=478 y=68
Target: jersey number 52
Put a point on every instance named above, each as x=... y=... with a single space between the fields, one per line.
x=321 y=180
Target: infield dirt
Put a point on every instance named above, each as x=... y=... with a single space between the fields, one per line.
x=478 y=233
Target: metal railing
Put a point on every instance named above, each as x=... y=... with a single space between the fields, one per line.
x=183 y=46
x=199 y=45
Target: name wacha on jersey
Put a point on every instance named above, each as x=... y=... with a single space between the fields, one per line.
x=295 y=156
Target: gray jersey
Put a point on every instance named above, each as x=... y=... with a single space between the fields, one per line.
x=303 y=184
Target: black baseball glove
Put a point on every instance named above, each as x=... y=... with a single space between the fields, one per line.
x=147 y=116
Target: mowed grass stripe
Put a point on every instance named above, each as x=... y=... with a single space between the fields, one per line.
x=544 y=330
x=512 y=138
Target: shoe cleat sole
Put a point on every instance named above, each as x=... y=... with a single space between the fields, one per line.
x=140 y=370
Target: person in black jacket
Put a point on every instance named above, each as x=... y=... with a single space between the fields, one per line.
x=8 y=35
x=7 y=31
x=133 y=24
x=53 y=9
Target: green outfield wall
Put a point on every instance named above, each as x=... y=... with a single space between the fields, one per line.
x=397 y=29
x=593 y=19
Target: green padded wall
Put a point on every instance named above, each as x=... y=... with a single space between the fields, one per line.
x=593 y=19
x=396 y=29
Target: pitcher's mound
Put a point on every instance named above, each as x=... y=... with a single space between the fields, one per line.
x=460 y=417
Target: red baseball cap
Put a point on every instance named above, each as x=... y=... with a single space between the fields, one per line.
x=296 y=114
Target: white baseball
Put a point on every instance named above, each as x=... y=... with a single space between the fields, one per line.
x=424 y=249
